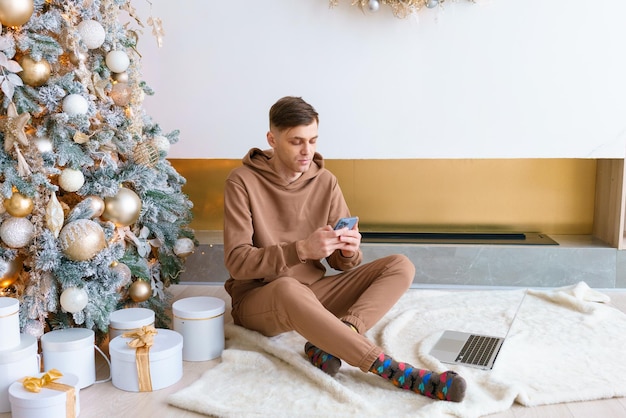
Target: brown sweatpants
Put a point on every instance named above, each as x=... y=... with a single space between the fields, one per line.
x=360 y=296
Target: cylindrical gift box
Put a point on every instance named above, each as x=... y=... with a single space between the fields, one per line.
x=71 y=350
x=200 y=320
x=47 y=403
x=15 y=364
x=128 y=320
x=166 y=361
x=9 y=323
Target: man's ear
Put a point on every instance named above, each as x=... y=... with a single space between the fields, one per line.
x=270 y=139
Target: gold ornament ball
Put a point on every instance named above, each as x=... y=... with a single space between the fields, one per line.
x=19 y=205
x=120 y=94
x=82 y=239
x=120 y=77
x=77 y=58
x=146 y=153
x=140 y=291
x=34 y=73
x=96 y=204
x=16 y=12
x=14 y=267
x=123 y=209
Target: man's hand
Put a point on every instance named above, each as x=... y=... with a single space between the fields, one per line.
x=325 y=240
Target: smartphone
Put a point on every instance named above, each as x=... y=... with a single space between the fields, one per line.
x=347 y=222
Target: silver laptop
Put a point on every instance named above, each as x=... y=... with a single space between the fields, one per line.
x=473 y=350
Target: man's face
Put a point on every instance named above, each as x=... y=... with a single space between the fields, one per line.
x=294 y=148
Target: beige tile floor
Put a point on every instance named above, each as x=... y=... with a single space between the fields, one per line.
x=103 y=400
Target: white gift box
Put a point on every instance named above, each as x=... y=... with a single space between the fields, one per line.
x=71 y=350
x=48 y=403
x=127 y=320
x=165 y=365
x=200 y=320
x=9 y=323
x=19 y=362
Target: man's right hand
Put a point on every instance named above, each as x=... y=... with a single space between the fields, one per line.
x=325 y=240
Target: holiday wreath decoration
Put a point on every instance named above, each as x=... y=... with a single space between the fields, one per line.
x=400 y=8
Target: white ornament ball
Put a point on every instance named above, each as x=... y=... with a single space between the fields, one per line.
x=34 y=328
x=43 y=144
x=17 y=232
x=117 y=61
x=431 y=4
x=373 y=5
x=161 y=143
x=75 y=104
x=183 y=247
x=71 y=180
x=74 y=299
x=92 y=33
x=124 y=271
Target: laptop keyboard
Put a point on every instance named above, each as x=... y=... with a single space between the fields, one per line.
x=478 y=350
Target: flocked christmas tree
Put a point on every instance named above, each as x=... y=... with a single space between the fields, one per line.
x=93 y=216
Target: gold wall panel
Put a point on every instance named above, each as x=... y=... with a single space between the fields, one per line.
x=205 y=187
x=553 y=196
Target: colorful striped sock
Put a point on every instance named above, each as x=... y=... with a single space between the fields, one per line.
x=322 y=360
x=447 y=386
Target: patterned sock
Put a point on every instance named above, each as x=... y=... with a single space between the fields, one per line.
x=322 y=360
x=447 y=386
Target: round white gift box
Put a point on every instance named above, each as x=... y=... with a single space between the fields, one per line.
x=128 y=320
x=9 y=323
x=15 y=364
x=200 y=320
x=71 y=350
x=48 y=403
x=166 y=361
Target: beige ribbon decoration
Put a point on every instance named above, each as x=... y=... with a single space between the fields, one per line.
x=141 y=341
x=35 y=384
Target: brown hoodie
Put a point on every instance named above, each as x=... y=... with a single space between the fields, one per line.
x=264 y=216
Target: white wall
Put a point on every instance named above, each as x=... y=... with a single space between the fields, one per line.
x=492 y=79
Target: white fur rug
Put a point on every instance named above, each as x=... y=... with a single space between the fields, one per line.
x=565 y=345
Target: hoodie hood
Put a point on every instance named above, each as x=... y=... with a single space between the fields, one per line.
x=262 y=161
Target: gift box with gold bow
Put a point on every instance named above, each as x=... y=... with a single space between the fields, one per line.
x=48 y=395
x=146 y=360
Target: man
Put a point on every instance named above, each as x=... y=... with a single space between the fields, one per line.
x=279 y=208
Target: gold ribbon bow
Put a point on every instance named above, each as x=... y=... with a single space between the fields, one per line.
x=141 y=341
x=143 y=337
x=35 y=384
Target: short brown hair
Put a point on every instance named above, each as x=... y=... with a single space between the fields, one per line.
x=290 y=112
